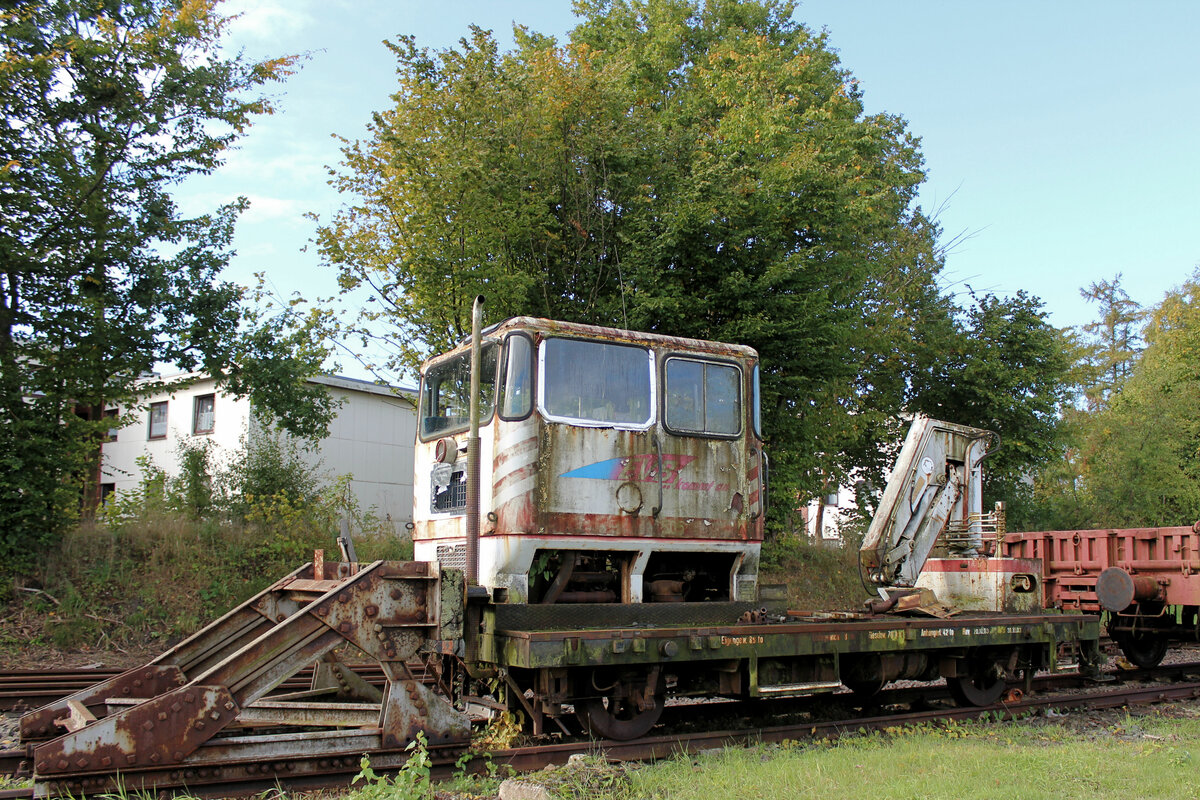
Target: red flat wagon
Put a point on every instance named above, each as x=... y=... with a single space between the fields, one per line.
x=1145 y=581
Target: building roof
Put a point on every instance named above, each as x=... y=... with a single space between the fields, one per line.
x=178 y=381
x=357 y=385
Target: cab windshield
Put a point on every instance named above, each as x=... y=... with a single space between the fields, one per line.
x=596 y=383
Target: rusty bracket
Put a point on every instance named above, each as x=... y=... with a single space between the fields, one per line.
x=146 y=681
x=411 y=707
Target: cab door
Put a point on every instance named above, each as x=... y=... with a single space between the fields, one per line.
x=704 y=451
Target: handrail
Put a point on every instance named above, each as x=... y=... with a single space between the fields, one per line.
x=658 y=455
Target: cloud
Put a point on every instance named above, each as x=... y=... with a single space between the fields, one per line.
x=277 y=153
x=267 y=19
x=264 y=208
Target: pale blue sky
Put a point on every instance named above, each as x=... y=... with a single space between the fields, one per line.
x=1060 y=137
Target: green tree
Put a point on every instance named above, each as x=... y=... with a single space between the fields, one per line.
x=108 y=104
x=1008 y=370
x=1113 y=340
x=698 y=169
x=1140 y=456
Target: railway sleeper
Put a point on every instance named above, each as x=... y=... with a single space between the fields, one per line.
x=202 y=704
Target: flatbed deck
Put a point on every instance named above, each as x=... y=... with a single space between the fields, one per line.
x=796 y=635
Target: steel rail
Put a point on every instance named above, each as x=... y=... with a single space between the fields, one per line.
x=528 y=759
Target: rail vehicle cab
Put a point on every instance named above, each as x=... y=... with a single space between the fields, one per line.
x=616 y=466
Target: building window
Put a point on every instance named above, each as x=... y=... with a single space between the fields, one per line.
x=202 y=413
x=158 y=420
x=110 y=414
x=106 y=491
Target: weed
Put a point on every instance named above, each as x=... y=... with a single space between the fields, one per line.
x=411 y=782
x=502 y=732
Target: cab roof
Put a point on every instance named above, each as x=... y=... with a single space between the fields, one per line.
x=542 y=328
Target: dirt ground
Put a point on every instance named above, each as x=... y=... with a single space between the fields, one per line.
x=43 y=658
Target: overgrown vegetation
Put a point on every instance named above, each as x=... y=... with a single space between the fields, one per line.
x=107 y=107
x=818 y=576
x=161 y=561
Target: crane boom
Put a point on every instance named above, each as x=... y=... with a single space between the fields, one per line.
x=936 y=480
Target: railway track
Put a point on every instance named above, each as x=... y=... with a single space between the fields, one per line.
x=25 y=690
x=1137 y=687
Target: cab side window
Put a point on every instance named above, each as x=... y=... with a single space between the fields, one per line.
x=516 y=386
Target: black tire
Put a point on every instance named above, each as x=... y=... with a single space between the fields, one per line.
x=983 y=686
x=608 y=718
x=1145 y=650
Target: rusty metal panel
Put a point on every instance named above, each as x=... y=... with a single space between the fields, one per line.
x=985 y=584
x=607 y=482
x=451 y=605
x=411 y=708
x=333 y=715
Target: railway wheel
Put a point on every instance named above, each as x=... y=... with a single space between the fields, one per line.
x=618 y=717
x=1145 y=650
x=983 y=684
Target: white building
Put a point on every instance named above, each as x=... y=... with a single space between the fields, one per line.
x=371 y=438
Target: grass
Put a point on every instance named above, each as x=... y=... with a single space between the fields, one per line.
x=1032 y=760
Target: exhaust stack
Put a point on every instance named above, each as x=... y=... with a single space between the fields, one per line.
x=473 y=445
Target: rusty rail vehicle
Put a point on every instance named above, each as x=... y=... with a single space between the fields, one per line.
x=1145 y=582
x=588 y=516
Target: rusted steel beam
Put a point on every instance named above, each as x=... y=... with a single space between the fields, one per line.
x=388 y=610
x=331 y=715
x=145 y=681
